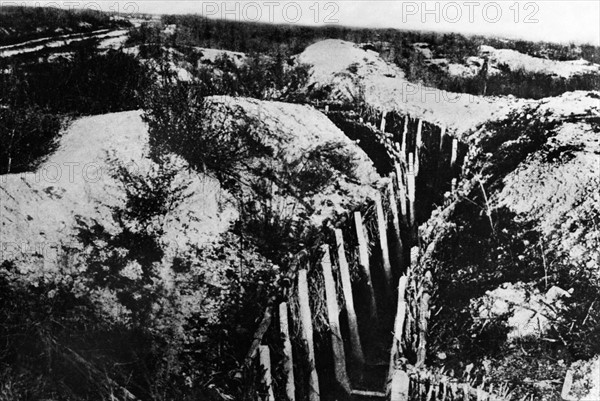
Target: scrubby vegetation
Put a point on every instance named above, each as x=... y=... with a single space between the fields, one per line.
x=394 y=45
x=27 y=23
x=126 y=315
x=27 y=134
x=88 y=83
x=484 y=248
x=38 y=98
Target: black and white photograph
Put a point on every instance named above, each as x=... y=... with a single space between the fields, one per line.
x=310 y=200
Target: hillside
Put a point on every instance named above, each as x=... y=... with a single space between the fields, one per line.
x=198 y=209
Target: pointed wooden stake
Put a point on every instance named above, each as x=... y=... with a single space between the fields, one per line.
x=419 y=143
x=307 y=333
x=411 y=191
x=442 y=136
x=401 y=194
x=454 y=152
x=423 y=321
x=337 y=343
x=382 y=126
x=264 y=356
x=383 y=242
x=356 y=350
x=396 y=223
x=259 y=334
x=404 y=139
x=396 y=351
x=288 y=363
x=363 y=255
x=418 y=146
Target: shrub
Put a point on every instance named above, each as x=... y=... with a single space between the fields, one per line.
x=176 y=114
x=89 y=83
x=27 y=134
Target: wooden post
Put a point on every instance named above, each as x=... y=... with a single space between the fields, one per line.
x=404 y=139
x=326 y=108
x=411 y=191
x=264 y=356
x=307 y=333
x=423 y=320
x=396 y=351
x=416 y=163
x=337 y=343
x=442 y=136
x=399 y=389
x=363 y=254
x=259 y=334
x=382 y=126
x=401 y=194
x=356 y=350
x=383 y=241
x=288 y=363
x=454 y=152
x=418 y=145
x=396 y=223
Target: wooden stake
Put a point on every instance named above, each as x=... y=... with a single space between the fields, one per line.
x=442 y=136
x=326 y=108
x=363 y=255
x=307 y=333
x=356 y=350
x=382 y=126
x=396 y=351
x=423 y=320
x=418 y=145
x=399 y=389
x=454 y=152
x=411 y=191
x=337 y=343
x=383 y=242
x=404 y=139
x=396 y=223
x=288 y=363
x=416 y=164
x=264 y=355
x=401 y=194
x=259 y=334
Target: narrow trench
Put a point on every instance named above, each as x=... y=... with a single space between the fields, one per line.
x=433 y=181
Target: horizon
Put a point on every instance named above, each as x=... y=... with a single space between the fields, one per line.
x=575 y=22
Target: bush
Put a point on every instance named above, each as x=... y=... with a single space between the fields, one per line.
x=27 y=134
x=176 y=114
x=26 y=23
x=89 y=83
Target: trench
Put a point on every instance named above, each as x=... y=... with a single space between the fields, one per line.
x=432 y=184
x=439 y=159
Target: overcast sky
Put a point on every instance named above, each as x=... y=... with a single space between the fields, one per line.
x=551 y=20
